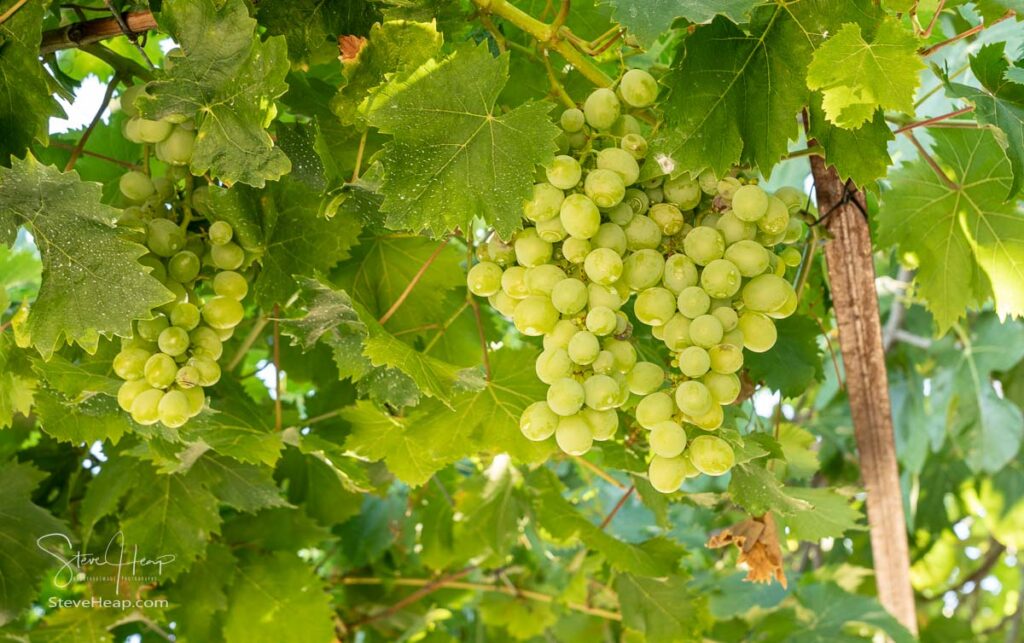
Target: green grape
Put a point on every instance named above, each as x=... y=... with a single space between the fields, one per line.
x=561 y=334
x=601 y=109
x=694 y=361
x=604 y=364
x=575 y=250
x=655 y=306
x=176 y=149
x=179 y=292
x=638 y=88
x=130 y=390
x=145 y=408
x=136 y=186
x=541 y=280
x=776 y=219
x=728 y=316
x=553 y=364
x=206 y=343
x=602 y=424
x=680 y=273
x=600 y=392
x=130 y=363
x=706 y=331
x=711 y=455
x=769 y=240
x=604 y=187
x=749 y=203
x=196 y=400
x=564 y=172
x=545 y=202
x=620 y=214
x=223 y=313
x=501 y=252
x=791 y=197
x=220 y=232
x=667 y=474
x=749 y=257
x=142 y=130
x=693 y=302
x=584 y=347
x=603 y=266
x=787 y=309
x=569 y=296
x=656 y=195
x=667 y=439
x=734 y=337
x=187 y=377
x=228 y=256
x=668 y=218
x=173 y=409
x=759 y=333
x=183 y=267
x=531 y=250
x=676 y=333
x=160 y=370
x=538 y=422
x=573 y=435
x=704 y=244
x=513 y=282
x=724 y=387
x=625 y=125
x=610 y=235
x=572 y=120
x=128 y=98
x=580 y=216
x=224 y=333
x=733 y=229
x=551 y=230
x=711 y=420
x=654 y=408
x=502 y=303
x=643 y=269
x=228 y=283
x=794 y=230
x=163 y=237
x=601 y=321
x=682 y=191
x=727 y=187
x=766 y=293
x=644 y=378
x=173 y=341
x=726 y=358
x=157 y=269
x=150 y=329
x=642 y=232
x=598 y=295
x=534 y=316
x=577 y=140
x=621 y=162
x=623 y=352
x=208 y=369
x=635 y=144
x=638 y=202
x=708 y=182
x=721 y=278
x=693 y=398
x=791 y=257
x=565 y=396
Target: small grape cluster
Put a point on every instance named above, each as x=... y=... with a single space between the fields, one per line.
x=173 y=355
x=697 y=253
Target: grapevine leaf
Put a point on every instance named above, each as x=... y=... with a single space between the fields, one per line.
x=92 y=283
x=969 y=243
x=88 y=625
x=745 y=88
x=407 y=446
x=288 y=596
x=454 y=157
x=650 y=21
x=97 y=418
x=493 y=508
x=857 y=78
x=861 y=155
x=17 y=385
x=311 y=26
x=25 y=101
x=106 y=491
x=757 y=490
x=78 y=379
x=326 y=492
x=275 y=529
x=22 y=561
x=831 y=611
x=328 y=314
x=1015 y=74
x=664 y=609
x=397 y=46
x=236 y=428
x=999 y=104
x=244 y=487
x=797 y=445
x=199 y=597
x=523 y=619
x=795 y=364
x=830 y=515
x=228 y=79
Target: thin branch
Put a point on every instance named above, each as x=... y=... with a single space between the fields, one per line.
x=278 y=388
x=412 y=283
x=807 y=262
x=598 y=471
x=906 y=337
x=426 y=589
x=127 y=31
x=618 y=505
x=931 y=25
x=1014 y=633
x=359 y=157
x=992 y=556
x=13 y=10
x=84 y=33
x=928 y=51
x=807 y=151
x=250 y=339
x=932 y=163
x=563 y=15
x=556 y=85
x=103 y=157
x=934 y=119
x=77 y=150
x=120 y=64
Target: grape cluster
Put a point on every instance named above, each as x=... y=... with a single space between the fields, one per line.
x=696 y=256
x=173 y=355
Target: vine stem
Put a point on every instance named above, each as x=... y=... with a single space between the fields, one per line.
x=102 y=157
x=76 y=152
x=934 y=119
x=247 y=343
x=618 y=505
x=412 y=283
x=127 y=31
x=928 y=51
x=598 y=471
x=79 y=34
x=278 y=411
x=359 y=156
x=13 y=10
x=426 y=588
x=935 y=17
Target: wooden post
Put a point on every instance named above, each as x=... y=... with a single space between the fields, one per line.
x=851 y=271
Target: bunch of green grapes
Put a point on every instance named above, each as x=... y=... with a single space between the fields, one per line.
x=696 y=256
x=174 y=354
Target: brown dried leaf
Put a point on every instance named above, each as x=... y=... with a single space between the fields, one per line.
x=758 y=542
x=349 y=47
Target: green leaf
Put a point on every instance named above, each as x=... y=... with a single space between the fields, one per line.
x=77 y=625
x=199 y=598
x=278 y=598
x=831 y=610
x=797 y=448
x=311 y=27
x=492 y=506
x=320 y=485
x=968 y=243
x=998 y=103
x=92 y=283
x=228 y=80
x=829 y=516
x=663 y=609
x=25 y=101
x=80 y=379
x=857 y=78
x=795 y=362
x=22 y=561
x=97 y=418
x=861 y=155
x=650 y=22
x=454 y=157
x=17 y=385
x=408 y=447
x=522 y=618
x=757 y=490
x=244 y=487
x=276 y=529
x=397 y=46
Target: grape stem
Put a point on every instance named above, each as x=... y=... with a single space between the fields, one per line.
x=598 y=471
x=247 y=343
x=359 y=157
x=132 y=36
x=13 y=10
x=618 y=505
x=935 y=17
x=412 y=283
x=102 y=157
x=934 y=119
x=126 y=66
x=76 y=152
x=928 y=51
